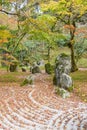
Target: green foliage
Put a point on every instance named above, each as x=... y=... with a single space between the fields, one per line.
x=62 y=7
x=42 y=28
x=2 y=27
x=80 y=50
x=69 y=14
x=47 y=20
x=4 y=35
x=33 y=50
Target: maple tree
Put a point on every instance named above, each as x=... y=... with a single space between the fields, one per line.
x=4 y=34
x=69 y=12
x=25 y=21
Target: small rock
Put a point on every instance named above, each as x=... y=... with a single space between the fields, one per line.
x=35 y=69
x=63 y=93
x=28 y=80
x=23 y=69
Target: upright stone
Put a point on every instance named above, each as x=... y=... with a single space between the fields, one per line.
x=62 y=70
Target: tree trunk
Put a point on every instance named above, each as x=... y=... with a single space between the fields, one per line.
x=48 y=54
x=71 y=45
x=73 y=63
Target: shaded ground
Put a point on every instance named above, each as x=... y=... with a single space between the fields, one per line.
x=37 y=107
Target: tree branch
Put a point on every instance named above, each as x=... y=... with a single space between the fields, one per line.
x=61 y=19
x=22 y=36
x=6 y=12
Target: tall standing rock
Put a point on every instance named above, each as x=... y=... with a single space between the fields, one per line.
x=62 y=70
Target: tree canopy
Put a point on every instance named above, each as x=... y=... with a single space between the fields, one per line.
x=47 y=21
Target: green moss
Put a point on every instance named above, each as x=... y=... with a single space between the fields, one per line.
x=24 y=82
x=82 y=63
x=49 y=68
x=62 y=92
x=79 y=76
x=28 y=80
x=70 y=89
x=9 y=78
x=64 y=55
x=80 y=83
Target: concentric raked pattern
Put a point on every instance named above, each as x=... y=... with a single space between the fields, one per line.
x=38 y=108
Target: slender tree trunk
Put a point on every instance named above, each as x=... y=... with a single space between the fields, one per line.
x=49 y=54
x=71 y=45
x=73 y=62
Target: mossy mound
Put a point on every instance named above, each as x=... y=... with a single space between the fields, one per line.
x=35 y=69
x=24 y=69
x=62 y=92
x=49 y=69
x=28 y=80
x=13 y=66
